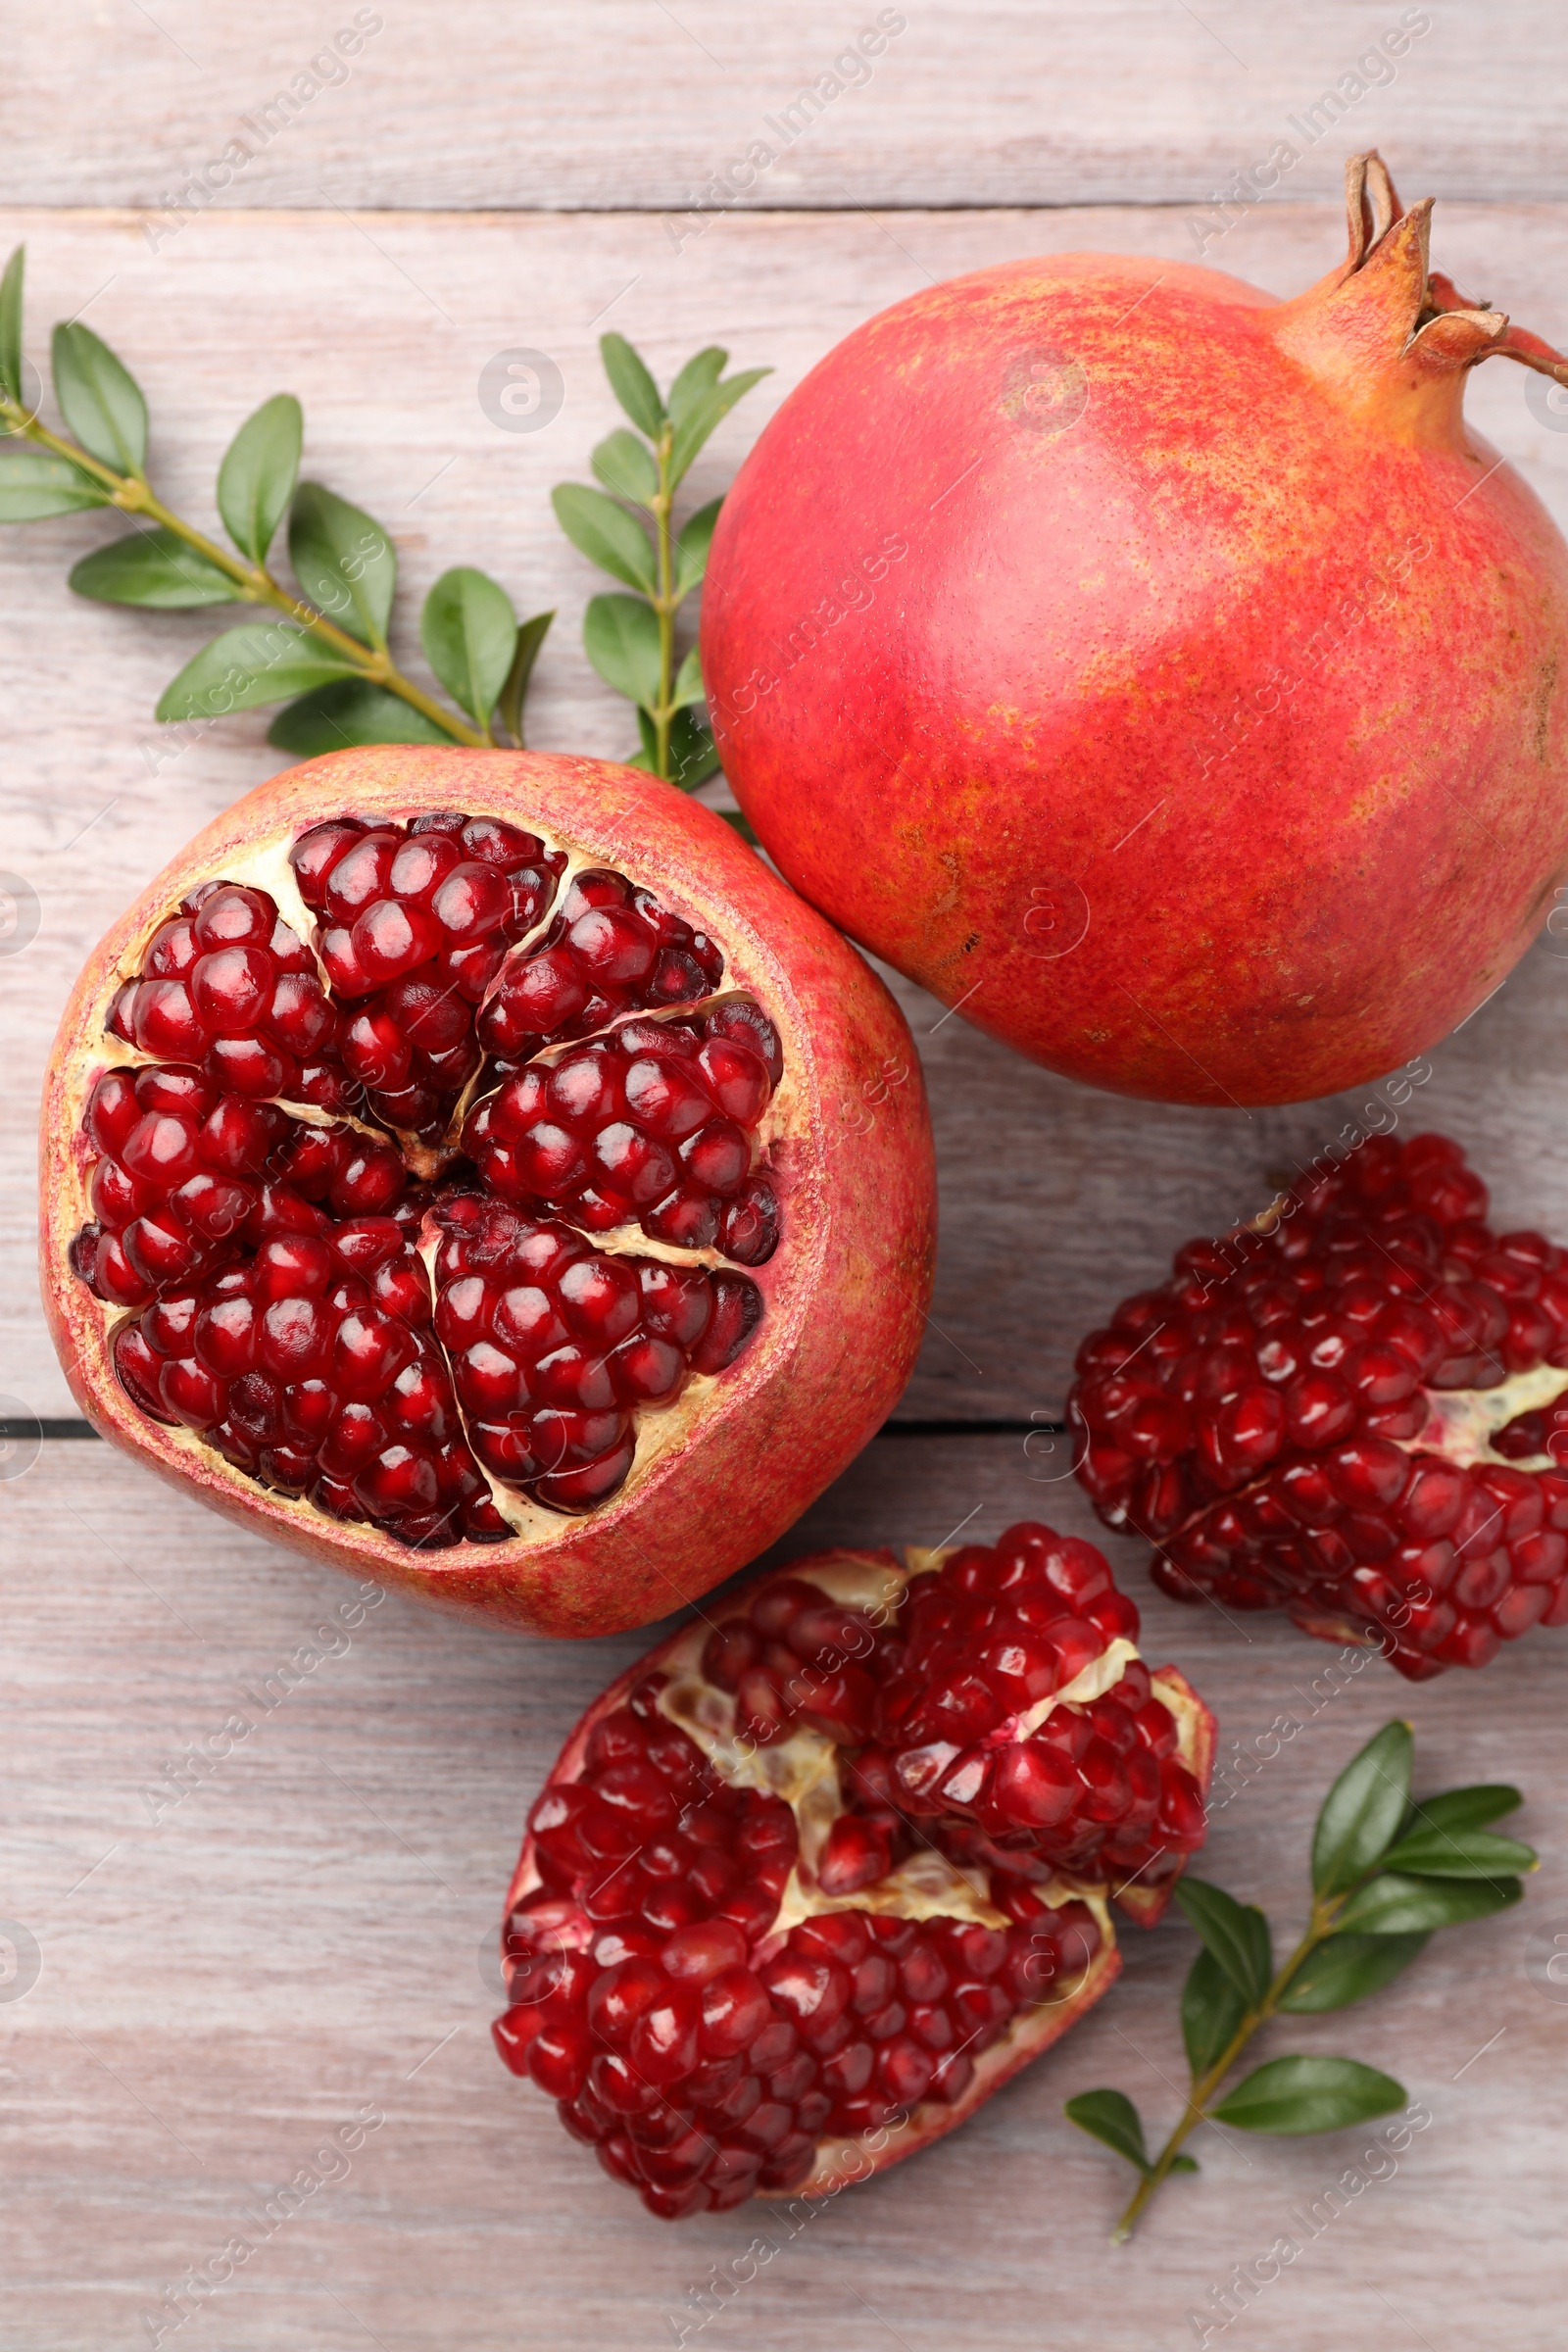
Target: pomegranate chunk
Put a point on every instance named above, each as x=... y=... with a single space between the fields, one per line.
x=1356 y=1410
x=719 y=1987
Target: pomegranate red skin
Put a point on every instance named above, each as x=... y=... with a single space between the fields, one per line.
x=1142 y=662
x=1038 y=2029
x=844 y=1299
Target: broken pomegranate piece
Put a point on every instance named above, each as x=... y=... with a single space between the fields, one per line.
x=1356 y=1410
x=742 y=1960
x=424 y=1171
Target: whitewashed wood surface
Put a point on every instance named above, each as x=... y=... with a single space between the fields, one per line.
x=302 y=1933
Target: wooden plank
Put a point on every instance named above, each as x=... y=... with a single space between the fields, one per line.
x=621 y=104
x=1056 y=1200
x=222 y=1988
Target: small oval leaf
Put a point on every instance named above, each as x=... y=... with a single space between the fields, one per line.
x=632 y=385
x=688 y=680
x=469 y=634
x=606 y=534
x=1237 y=1933
x=1362 y=1811
x=1346 y=1969
x=1110 y=2116
x=693 y=757
x=11 y=326
x=532 y=635
x=35 y=484
x=344 y=562
x=691 y=548
x=1439 y=1853
x=352 y=710
x=256 y=480
x=1291 y=2096
x=1393 y=1905
x=100 y=399
x=1462 y=1808
x=705 y=413
x=699 y=374
x=625 y=466
x=1211 y=2011
x=620 y=637
x=265 y=662
x=153 y=568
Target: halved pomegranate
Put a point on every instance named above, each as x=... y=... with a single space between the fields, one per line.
x=1354 y=1408
x=745 y=1960
x=460 y=1166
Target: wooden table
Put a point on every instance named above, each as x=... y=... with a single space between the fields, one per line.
x=307 y=1933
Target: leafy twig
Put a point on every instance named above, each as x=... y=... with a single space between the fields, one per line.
x=630 y=533
x=329 y=648
x=1386 y=1873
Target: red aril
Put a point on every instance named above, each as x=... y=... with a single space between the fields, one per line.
x=742 y=1961
x=1137 y=662
x=458 y=1166
x=1354 y=1408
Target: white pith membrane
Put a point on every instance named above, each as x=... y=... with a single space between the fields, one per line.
x=802 y=1769
x=659 y=1429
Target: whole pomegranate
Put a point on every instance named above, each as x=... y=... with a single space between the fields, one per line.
x=1355 y=1408
x=1156 y=670
x=475 y=1169
x=754 y=1946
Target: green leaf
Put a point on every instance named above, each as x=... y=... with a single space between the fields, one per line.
x=688 y=680
x=1294 y=2096
x=469 y=634
x=625 y=466
x=1398 y=1906
x=699 y=374
x=35 y=484
x=1346 y=1969
x=1362 y=1811
x=1110 y=2116
x=256 y=480
x=351 y=710
x=606 y=534
x=692 y=757
x=1462 y=1808
x=344 y=562
x=265 y=662
x=1211 y=2011
x=620 y=637
x=514 y=693
x=1237 y=1933
x=705 y=413
x=632 y=385
x=11 y=326
x=100 y=400
x=1459 y=1854
x=691 y=548
x=155 y=568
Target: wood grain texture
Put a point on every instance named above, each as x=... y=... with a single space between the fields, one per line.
x=302 y=1933
x=635 y=103
x=1056 y=1200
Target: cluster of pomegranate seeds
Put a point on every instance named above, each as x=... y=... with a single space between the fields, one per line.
x=413 y=925
x=702 y=2054
x=612 y=949
x=653 y=1125
x=1309 y=1428
x=554 y=1345
x=269 y=1254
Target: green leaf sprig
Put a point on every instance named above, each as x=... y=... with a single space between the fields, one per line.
x=327 y=655
x=628 y=529
x=1387 y=1871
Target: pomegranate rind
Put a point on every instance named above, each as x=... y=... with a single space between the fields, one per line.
x=839 y=2160
x=742 y=1453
